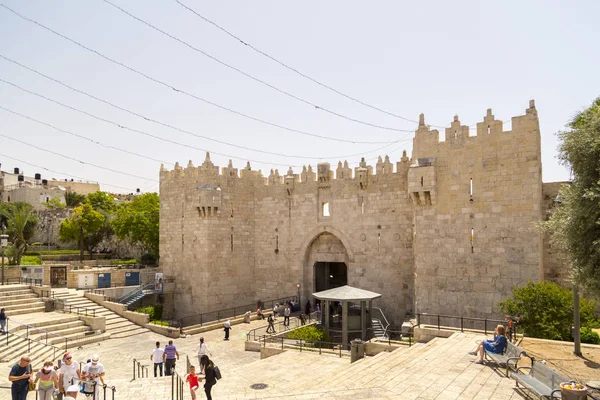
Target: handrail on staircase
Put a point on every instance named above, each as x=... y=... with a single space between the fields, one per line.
x=27 y=327
x=29 y=340
x=130 y=295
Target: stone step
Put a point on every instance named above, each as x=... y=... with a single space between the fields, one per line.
x=28 y=295
x=59 y=319
x=126 y=332
x=6 y=303
x=8 y=288
x=19 y=310
x=15 y=292
x=66 y=332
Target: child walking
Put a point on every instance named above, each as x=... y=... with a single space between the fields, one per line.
x=192 y=378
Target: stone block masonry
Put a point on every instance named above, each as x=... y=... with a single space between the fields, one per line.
x=450 y=230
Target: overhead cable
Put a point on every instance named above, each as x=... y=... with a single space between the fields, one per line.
x=252 y=77
x=293 y=69
x=62 y=173
x=149 y=119
x=75 y=159
x=182 y=91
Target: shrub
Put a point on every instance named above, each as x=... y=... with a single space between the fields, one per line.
x=161 y=323
x=148 y=259
x=589 y=336
x=546 y=310
x=155 y=311
x=309 y=333
x=124 y=262
x=31 y=260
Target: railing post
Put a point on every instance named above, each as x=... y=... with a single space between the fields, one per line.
x=104 y=388
x=461 y=324
x=114 y=389
x=485 y=326
x=46 y=337
x=133 y=370
x=438 y=318
x=172 y=387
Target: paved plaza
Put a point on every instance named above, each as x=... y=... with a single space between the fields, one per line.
x=440 y=369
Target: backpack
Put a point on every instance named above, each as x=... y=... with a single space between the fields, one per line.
x=217 y=372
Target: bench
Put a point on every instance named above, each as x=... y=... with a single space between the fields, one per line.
x=511 y=355
x=541 y=380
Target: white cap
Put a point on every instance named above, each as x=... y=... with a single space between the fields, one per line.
x=95 y=358
x=48 y=368
x=73 y=388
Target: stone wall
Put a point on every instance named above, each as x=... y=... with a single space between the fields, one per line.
x=449 y=231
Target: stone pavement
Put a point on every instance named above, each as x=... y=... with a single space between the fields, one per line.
x=440 y=369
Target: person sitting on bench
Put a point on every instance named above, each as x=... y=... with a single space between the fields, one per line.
x=495 y=345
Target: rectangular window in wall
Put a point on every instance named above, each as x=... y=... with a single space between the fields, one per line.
x=326 y=209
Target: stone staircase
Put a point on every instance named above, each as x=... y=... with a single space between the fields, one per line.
x=425 y=370
x=46 y=340
x=116 y=326
x=19 y=299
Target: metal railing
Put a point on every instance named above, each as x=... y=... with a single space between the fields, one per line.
x=461 y=321
x=32 y=330
x=142 y=370
x=31 y=281
x=177 y=383
x=44 y=343
x=393 y=336
x=261 y=331
x=68 y=308
x=201 y=319
x=95 y=291
x=136 y=292
x=308 y=345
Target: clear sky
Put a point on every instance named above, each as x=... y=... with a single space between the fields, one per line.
x=439 y=58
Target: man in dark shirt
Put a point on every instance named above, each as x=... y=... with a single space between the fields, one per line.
x=19 y=375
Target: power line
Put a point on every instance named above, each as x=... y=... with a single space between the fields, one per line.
x=75 y=159
x=295 y=70
x=233 y=111
x=61 y=173
x=83 y=137
x=223 y=63
x=180 y=129
x=143 y=132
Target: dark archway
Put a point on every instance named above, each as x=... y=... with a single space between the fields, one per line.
x=329 y=275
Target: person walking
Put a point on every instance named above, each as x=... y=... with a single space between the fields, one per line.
x=68 y=375
x=286 y=316
x=271 y=327
x=3 y=319
x=318 y=312
x=307 y=310
x=157 y=358
x=275 y=310
x=94 y=372
x=226 y=328
x=201 y=350
x=169 y=357
x=207 y=368
x=192 y=378
x=48 y=380
x=20 y=376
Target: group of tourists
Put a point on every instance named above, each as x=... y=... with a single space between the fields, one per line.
x=50 y=381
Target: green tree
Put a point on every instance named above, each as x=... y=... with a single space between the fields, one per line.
x=138 y=220
x=20 y=220
x=54 y=203
x=84 y=223
x=574 y=225
x=73 y=199
x=102 y=201
x=546 y=310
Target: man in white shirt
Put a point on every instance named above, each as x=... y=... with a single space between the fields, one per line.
x=94 y=371
x=286 y=316
x=202 y=349
x=157 y=357
x=68 y=374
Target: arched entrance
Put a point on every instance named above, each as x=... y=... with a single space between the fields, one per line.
x=326 y=263
x=329 y=275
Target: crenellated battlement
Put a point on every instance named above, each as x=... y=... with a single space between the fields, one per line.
x=426 y=143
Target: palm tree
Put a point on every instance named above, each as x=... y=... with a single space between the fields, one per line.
x=20 y=220
x=74 y=199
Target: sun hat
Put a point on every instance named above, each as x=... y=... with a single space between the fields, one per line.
x=95 y=358
x=73 y=389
